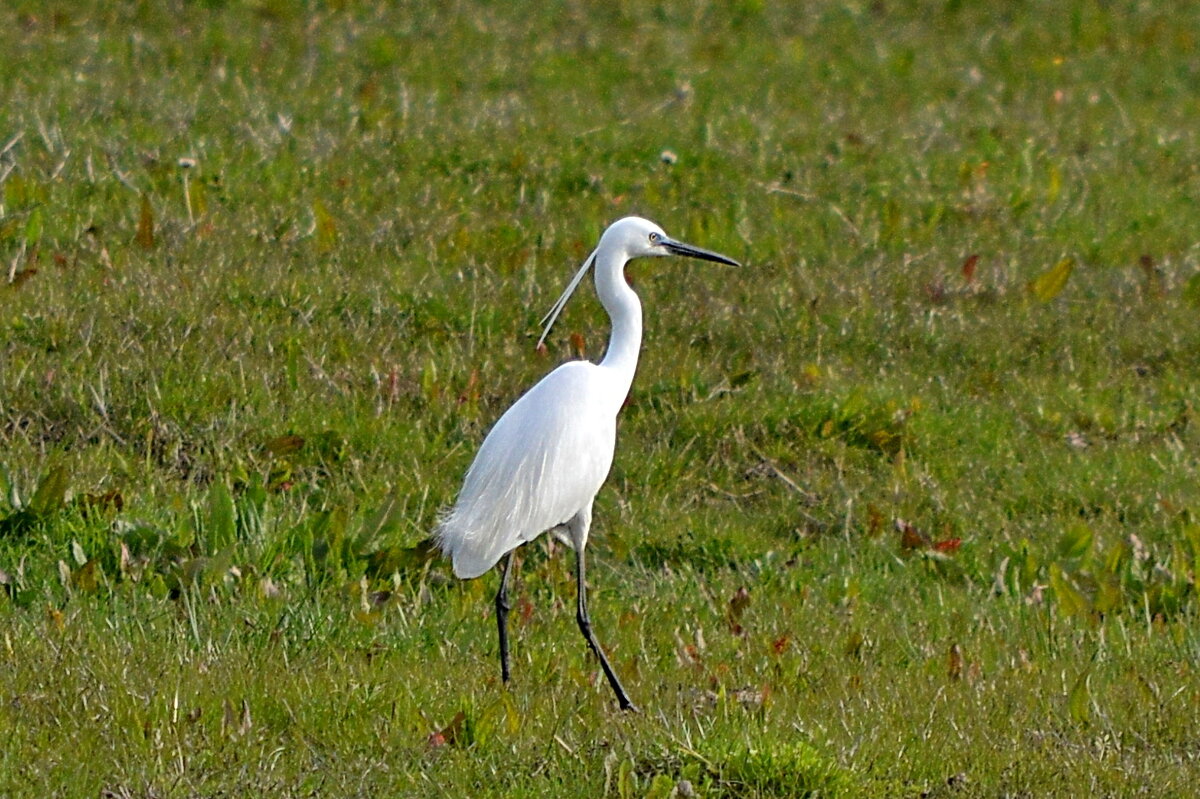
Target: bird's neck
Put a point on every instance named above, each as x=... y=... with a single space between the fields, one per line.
x=625 y=312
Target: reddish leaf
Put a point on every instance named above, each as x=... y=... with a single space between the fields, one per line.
x=453 y=734
x=935 y=292
x=1152 y=275
x=968 y=268
x=780 y=644
x=393 y=389
x=525 y=610
x=910 y=537
x=471 y=392
x=948 y=545
x=578 y=344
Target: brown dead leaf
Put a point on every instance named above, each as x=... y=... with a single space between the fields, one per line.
x=284 y=445
x=101 y=503
x=954 y=663
x=145 y=228
x=737 y=607
x=910 y=537
x=874 y=521
x=20 y=277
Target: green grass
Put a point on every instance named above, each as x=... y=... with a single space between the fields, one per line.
x=234 y=396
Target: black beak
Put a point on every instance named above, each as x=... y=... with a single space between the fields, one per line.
x=679 y=248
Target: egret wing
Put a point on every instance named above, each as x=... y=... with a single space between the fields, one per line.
x=542 y=462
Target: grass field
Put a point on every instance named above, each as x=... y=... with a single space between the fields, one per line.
x=905 y=507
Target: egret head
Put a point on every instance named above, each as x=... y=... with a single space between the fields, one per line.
x=640 y=238
x=628 y=238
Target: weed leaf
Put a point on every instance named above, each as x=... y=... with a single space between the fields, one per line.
x=50 y=493
x=1079 y=699
x=737 y=607
x=222 y=520
x=1191 y=290
x=326 y=227
x=1071 y=600
x=33 y=227
x=1050 y=284
x=145 y=228
x=1076 y=542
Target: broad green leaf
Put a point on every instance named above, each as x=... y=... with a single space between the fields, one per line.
x=660 y=787
x=326 y=227
x=86 y=577
x=1191 y=290
x=1108 y=595
x=1116 y=556
x=626 y=779
x=512 y=719
x=8 y=488
x=1191 y=534
x=222 y=518
x=50 y=492
x=382 y=523
x=1079 y=700
x=1071 y=600
x=1050 y=284
x=219 y=564
x=33 y=227
x=1053 y=184
x=1076 y=542
x=196 y=193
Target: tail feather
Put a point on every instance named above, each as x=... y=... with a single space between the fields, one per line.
x=457 y=542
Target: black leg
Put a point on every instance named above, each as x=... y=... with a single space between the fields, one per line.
x=585 y=626
x=502 y=608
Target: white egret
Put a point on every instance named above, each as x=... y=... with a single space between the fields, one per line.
x=543 y=462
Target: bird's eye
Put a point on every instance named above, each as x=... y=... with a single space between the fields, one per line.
x=654 y=237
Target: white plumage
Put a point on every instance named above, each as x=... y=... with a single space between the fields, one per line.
x=543 y=462
x=540 y=465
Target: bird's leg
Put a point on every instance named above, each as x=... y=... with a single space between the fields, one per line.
x=585 y=626
x=502 y=608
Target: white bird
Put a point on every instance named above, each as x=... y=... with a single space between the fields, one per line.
x=543 y=462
